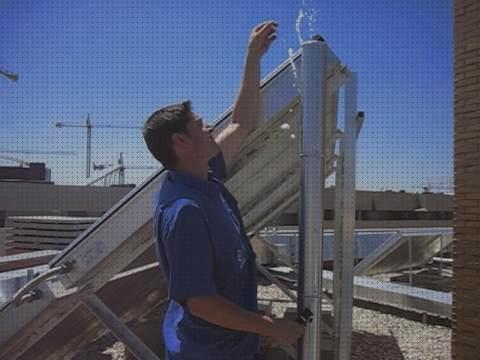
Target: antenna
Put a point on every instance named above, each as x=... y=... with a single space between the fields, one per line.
x=89 y=126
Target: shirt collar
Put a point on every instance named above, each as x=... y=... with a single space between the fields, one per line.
x=208 y=187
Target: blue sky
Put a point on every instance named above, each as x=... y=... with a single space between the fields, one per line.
x=120 y=60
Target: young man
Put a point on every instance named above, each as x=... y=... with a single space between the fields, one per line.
x=206 y=257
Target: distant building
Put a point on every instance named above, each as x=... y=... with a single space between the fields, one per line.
x=386 y=209
x=34 y=172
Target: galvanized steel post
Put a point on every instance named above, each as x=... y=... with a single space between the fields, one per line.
x=347 y=239
x=314 y=81
x=338 y=243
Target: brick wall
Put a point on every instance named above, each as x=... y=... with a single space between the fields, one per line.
x=466 y=301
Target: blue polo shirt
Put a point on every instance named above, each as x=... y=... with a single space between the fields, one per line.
x=203 y=250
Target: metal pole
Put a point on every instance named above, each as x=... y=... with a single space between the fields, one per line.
x=314 y=68
x=277 y=282
x=89 y=144
x=441 y=254
x=410 y=278
x=133 y=343
x=348 y=219
x=338 y=244
x=121 y=170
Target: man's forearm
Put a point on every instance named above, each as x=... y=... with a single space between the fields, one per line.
x=246 y=109
x=247 y=105
x=219 y=311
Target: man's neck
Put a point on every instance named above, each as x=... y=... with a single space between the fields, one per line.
x=197 y=169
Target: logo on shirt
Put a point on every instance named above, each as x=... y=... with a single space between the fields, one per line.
x=240 y=258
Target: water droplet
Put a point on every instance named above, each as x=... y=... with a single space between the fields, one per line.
x=298 y=26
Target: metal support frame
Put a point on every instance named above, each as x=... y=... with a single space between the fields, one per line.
x=393 y=254
x=277 y=282
x=103 y=313
x=344 y=244
x=337 y=242
x=88 y=125
x=441 y=254
x=410 y=268
x=314 y=70
x=95 y=261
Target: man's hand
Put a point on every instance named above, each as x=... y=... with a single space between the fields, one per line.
x=285 y=332
x=219 y=311
x=247 y=105
x=262 y=37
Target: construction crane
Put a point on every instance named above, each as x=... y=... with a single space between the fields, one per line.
x=23 y=163
x=89 y=126
x=118 y=170
x=436 y=184
x=37 y=152
x=30 y=152
x=19 y=161
x=9 y=75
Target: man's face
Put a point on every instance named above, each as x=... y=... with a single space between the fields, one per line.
x=202 y=143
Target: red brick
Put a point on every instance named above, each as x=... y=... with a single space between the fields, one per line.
x=466 y=148
x=472 y=138
x=465 y=81
x=466 y=203
x=462 y=166
x=470 y=217
x=472 y=116
x=472 y=195
x=467 y=181
x=459 y=136
x=466 y=267
x=474 y=170
x=472 y=158
x=472 y=87
x=470 y=7
x=473 y=74
x=472 y=210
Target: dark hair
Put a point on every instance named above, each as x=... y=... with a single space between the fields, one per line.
x=160 y=127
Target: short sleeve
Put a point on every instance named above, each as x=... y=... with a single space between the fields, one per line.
x=217 y=167
x=190 y=256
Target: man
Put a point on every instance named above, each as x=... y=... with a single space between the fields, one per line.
x=206 y=257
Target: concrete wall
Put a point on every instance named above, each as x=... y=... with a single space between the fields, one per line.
x=17 y=198
x=392 y=201
x=35 y=171
x=466 y=266
x=4 y=233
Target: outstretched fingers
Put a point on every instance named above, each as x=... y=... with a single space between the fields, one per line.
x=263 y=35
x=264 y=23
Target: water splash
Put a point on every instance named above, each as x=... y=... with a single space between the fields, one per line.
x=309 y=13
x=294 y=68
x=292 y=64
x=298 y=26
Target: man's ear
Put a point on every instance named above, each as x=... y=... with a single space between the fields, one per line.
x=179 y=140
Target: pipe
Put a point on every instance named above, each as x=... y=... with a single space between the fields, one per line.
x=343 y=312
x=314 y=70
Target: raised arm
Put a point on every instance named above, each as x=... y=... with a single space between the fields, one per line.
x=247 y=105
